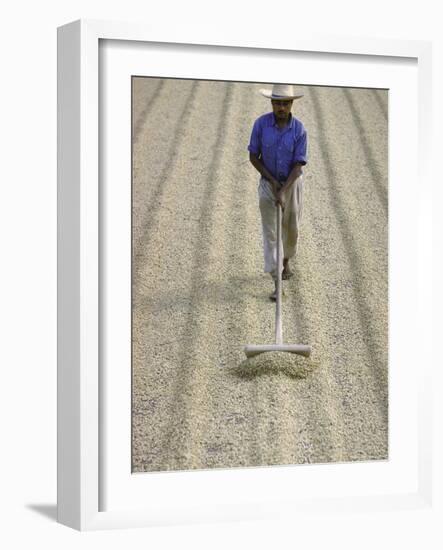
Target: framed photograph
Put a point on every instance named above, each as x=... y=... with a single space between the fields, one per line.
x=177 y=161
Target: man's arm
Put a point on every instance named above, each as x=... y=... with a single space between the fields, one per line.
x=300 y=157
x=293 y=175
x=261 y=168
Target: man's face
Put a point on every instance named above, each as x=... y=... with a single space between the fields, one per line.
x=281 y=108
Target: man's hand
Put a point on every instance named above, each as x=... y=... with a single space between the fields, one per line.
x=276 y=186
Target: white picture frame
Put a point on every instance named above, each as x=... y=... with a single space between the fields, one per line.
x=79 y=371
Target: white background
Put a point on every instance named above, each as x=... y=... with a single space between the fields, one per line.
x=28 y=268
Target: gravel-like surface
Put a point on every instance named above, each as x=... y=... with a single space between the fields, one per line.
x=200 y=294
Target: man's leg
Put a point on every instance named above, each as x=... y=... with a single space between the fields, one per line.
x=290 y=224
x=268 y=218
x=286 y=273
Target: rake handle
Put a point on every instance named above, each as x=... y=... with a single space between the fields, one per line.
x=278 y=321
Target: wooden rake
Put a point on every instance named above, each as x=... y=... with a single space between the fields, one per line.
x=301 y=349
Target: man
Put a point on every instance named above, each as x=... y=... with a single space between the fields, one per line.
x=278 y=150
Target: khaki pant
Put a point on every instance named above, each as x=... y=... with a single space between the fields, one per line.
x=290 y=222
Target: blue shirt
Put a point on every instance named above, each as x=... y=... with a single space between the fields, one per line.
x=279 y=148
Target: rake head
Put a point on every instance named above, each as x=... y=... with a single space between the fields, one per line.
x=300 y=349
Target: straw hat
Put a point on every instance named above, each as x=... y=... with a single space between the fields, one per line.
x=281 y=91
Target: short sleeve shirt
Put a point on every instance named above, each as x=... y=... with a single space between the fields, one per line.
x=279 y=149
